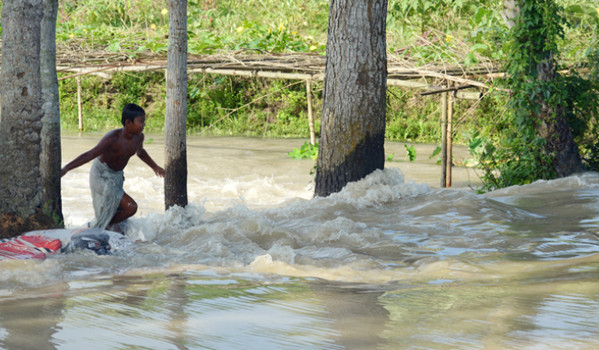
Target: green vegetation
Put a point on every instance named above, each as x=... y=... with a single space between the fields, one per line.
x=217 y=105
x=307 y=150
x=462 y=32
x=137 y=26
x=522 y=159
x=535 y=42
x=411 y=152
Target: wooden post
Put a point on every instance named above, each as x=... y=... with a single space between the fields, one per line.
x=444 y=139
x=449 y=138
x=310 y=116
x=79 y=104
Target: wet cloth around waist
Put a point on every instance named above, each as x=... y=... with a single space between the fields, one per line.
x=107 y=191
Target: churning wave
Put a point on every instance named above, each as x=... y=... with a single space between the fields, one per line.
x=382 y=228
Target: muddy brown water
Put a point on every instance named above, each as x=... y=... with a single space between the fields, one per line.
x=254 y=262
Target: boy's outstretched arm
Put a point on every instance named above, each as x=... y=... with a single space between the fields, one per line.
x=89 y=155
x=143 y=155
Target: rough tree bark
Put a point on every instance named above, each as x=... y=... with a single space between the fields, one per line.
x=353 y=115
x=175 y=183
x=21 y=123
x=50 y=160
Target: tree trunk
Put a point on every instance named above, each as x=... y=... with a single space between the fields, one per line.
x=50 y=160
x=175 y=184
x=354 y=105
x=551 y=124
x=553 y=127
x=511 y=9
x=21 y=124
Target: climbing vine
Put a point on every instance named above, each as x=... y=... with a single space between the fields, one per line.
x=516 y=153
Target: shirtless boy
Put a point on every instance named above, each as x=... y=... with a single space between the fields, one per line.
x=111 y=204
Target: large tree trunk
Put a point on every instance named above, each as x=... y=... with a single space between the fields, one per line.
x=175 y=184
x=354 y=106
x=51 y=153
x=21 y=124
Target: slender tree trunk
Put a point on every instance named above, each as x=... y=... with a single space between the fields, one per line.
x=51 y=153
x=21 y=124
x=354 y=105
x=175 y=184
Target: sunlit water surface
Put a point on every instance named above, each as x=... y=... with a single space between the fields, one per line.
x=391 y=262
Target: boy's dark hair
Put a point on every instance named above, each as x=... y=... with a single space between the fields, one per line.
x=130 y=112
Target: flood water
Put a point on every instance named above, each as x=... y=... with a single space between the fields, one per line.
x=391 y=262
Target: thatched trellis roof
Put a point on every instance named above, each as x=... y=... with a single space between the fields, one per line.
x=302 y=66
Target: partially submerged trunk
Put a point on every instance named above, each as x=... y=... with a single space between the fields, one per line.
x=553 y=127
x=21 y=124
x=50 y=160
x=175 y=182
x=353 y=115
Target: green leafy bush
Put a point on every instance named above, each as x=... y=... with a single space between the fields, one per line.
x=516 y=154
x=307 y=150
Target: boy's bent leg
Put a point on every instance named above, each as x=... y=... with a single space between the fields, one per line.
x=127 y=208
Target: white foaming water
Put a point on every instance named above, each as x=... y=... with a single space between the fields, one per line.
x=268 y=221
x=370 y=232
x=237 y=218
x=309 y=230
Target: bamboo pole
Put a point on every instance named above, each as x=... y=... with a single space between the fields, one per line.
x=84 y=71
x=444 y=139
x=310 y=116
x=258 y=74
x=450 y=106
x=449 y=89
x=457 y=93
x=462 y=95
x=409 y=84
x=433 y=74
x=79 y=104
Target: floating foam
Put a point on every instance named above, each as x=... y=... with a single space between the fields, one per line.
x=380 y=187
